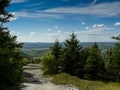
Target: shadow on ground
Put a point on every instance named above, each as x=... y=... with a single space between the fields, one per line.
x=29 y=78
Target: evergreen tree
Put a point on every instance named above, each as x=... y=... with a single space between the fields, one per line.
x=113 y=62
x=84 y=54
x=56 y=51
x=48 y=63
x=51 y=62
x=94 y=64
x=10 y=59
x=72 y=55
x=116 y=37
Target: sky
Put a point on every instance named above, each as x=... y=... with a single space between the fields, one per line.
x=48 y=20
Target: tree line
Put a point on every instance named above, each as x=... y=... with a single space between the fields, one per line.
x=11 y=62
x=86 y=63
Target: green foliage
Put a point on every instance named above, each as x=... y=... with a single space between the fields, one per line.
x=35 y=60
x=10 y=57
x=72 y=55
x=110 y=86
x=94 y=64
x=116 y=37
x=51 y=62
x=87 y=63
x=25 y=61
x=48 y=63
x=56 y=51
x=84 y=54
x=113 y=63
x=66 y=79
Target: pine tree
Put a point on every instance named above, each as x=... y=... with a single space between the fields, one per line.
x=72 y=55
x=113 y=62
x=56 y=51
x=94 y=63
x=48 y=63
x=10 y=59
x=51 y=62
x=84 y=54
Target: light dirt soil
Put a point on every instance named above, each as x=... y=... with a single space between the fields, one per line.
x=36 y=82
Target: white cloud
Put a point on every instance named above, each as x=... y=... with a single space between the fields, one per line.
x=43 y=38
x=13 y=18
x=17 y=1
x=86 y=27
x=33 y=33
x=18 y=33
x=37 y=14
x=117 y=24
x=83 y=23
x=98 y=27
x=103 y=9
x=58 y=32
x=34 y=4
x=83 y=36
x=49 y=29
x=15 y=33
x=56 y=27
x=94 y=1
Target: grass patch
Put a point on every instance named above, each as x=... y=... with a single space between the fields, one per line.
x=110 y=86
x=66 y=79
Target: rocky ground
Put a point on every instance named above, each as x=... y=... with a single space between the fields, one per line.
x=34 y=81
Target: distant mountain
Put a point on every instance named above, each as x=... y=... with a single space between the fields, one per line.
x=102 y=45
x=35 y=50
x=37 y=45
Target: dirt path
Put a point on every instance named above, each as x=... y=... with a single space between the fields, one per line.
x=37 y=82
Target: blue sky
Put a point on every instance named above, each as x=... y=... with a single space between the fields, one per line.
x=47 y=20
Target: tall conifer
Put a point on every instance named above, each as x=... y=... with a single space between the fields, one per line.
x=72 y=55
x=10 y=59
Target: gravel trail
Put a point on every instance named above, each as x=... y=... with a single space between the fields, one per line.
x=36 y=82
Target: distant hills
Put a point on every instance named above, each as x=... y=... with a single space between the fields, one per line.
x=37 y=45
x=102 y=45
x=35 y=50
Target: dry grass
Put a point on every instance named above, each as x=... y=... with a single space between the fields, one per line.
x=84 y=84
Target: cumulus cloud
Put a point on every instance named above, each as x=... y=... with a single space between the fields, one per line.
x=33 y=33
x=117 y=24
x=103 y=9
x=98 y=27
